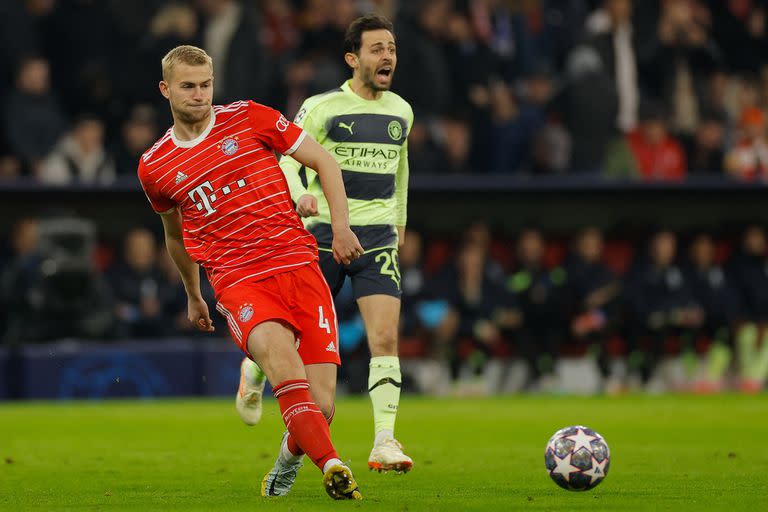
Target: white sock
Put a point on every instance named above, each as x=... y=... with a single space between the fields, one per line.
x=286 y=456
x=332 y=462
x=383 y=435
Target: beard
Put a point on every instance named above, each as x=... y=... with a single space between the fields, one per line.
x=369 y=80
x=189 y=116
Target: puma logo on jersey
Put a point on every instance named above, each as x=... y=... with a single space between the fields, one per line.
x=347 y=126
x=331 y=347
x=180 y=176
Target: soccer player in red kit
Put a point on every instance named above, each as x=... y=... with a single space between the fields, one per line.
x=225 y=205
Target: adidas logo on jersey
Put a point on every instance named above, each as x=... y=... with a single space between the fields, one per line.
x=180 y=176
x=331 y=347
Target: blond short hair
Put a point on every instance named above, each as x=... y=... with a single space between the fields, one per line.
x=185 y=54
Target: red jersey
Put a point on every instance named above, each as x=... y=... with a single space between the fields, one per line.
x=238 y=219
x=662 y=162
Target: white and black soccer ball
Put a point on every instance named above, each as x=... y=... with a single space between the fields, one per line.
x=577 y=458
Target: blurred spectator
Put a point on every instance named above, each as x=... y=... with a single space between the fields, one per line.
x=19 y=274
x=387 y=8
x=138 y=286
x=33 y=121
x=615 y=43
x=539 y=295
x=705 y=150
x=600 y=96
x=648 y=153
x=21 y=27
x=424 y=155
x=747 y=269
x=454 y=138
x=10 y=167
x=677 y=58
x=475 y=59
x=172 y=24
x=715 y=293
x=80 y=157
x=748 y=160
x=491 y=22
x=81 y=46
x=739 y=26
x=413 y=283
x=591 y=293
x=660 y=304
x=545 y=30
x=316 y=67
x=230 y=35
x=281 y=34
x=511 y=130
x=479 y=307
x=138 y=133
x=54 y=288
x=423 y=75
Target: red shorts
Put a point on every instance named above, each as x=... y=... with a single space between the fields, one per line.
x=301 y=298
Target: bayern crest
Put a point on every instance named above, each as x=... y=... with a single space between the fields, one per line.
x=245 y=313
x=229 y=146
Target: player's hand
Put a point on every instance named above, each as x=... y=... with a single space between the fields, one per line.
x=306 y=206
x=197 y=313
x=346 y=247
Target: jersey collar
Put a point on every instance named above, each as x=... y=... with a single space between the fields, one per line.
x=197 y=140
x=346 y=87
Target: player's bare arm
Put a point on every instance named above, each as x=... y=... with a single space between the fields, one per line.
x=197 y=309
x=346 y=247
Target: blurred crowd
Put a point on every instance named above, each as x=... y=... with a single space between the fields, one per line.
x=530 y=296
x=644 y=90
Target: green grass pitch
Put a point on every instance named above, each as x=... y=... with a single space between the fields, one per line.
x=668 y=453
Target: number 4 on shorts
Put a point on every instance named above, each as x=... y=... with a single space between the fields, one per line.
x=322 y=321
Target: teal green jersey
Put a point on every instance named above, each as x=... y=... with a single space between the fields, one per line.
x=369 y=140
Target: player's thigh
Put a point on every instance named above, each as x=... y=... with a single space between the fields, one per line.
x=376 y=273
x=376 y=287
x=272 y=344
x=315 y=315
x=334 y=273
x=322 y=385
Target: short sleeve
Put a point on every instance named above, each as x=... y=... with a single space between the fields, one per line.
x=273 y=129
x=159 y=203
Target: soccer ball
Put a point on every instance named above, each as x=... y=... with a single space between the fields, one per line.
x=577 y=458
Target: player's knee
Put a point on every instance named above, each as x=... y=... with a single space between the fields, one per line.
x=383 y=342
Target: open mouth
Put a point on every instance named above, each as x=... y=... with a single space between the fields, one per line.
x=384 y=72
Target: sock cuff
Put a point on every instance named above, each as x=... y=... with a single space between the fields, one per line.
x=289 y=385
x=385 y=362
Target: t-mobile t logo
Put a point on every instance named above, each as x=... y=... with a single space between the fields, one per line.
x=203 y=199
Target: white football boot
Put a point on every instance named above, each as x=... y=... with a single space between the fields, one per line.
x=248 y=397
x=387 y=455
x=279 y=480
